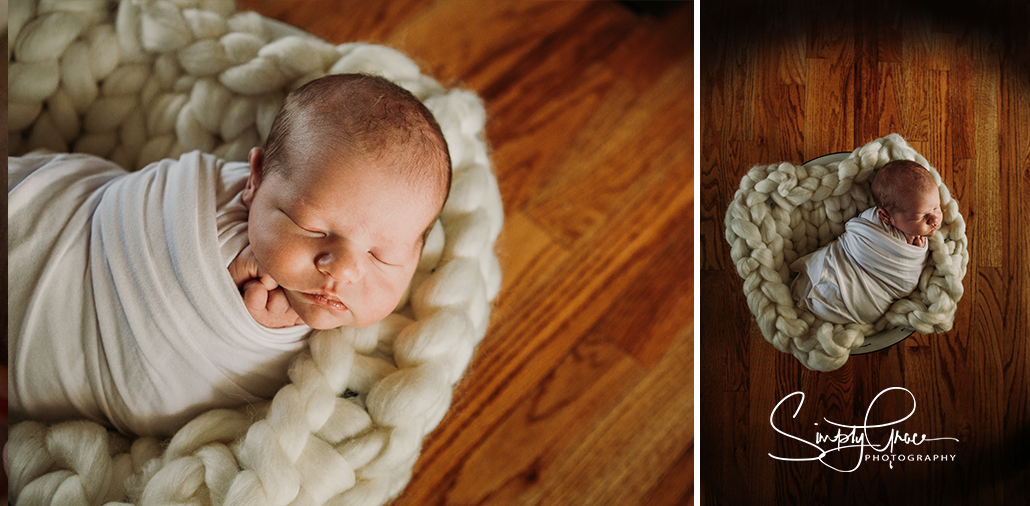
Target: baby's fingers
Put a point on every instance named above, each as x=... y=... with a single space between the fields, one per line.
x=279 y=308
x=255 y=296
x=277 y=302
x=267 y=281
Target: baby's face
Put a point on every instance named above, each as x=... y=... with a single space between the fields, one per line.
x=922 y=216
x=342 y=239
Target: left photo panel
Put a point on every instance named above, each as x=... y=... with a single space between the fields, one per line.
x=347 y=252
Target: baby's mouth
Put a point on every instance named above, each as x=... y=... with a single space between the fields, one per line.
x=327 y=301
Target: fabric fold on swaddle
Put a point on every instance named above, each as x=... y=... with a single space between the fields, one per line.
x=119 y=279
x=856 y=278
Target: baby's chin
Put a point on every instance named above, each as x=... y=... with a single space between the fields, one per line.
x=321 y=323
x=325 y=320
x=320 y=318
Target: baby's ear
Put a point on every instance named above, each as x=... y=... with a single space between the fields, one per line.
x=254 y=180
x=884 y=216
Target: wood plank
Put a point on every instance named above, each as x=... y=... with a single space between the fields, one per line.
x=484 y=42
x=915 y=59
x=726 y=347
x=963 y=106
x=829 y=108
x=868 y=108
x=665 y=287
x=677 y=486
x=605 y=162
x=512 y=461
x=554 y=61
x=730 y=60
x=791 y=62
x=986 y=236
x=829 y=105
x=890 y=31
x=367 y=21
x=543 y=134
x=654 y=47
x=939 y=149
x=779 y=108
x=830 y=30
x=714 y=251
x=890 y=99
x=652 y=427
x=528 y=256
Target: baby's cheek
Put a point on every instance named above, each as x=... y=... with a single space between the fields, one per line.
x=386 y=293
x=284 y=261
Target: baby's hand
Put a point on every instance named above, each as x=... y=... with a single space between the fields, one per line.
x=245 y=267
x=269 y=307
x=918 y=240
x=266 y=302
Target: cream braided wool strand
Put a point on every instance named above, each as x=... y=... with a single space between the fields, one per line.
x=140 y=80
x=783 y=211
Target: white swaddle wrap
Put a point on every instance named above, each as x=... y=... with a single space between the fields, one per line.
x=121 y=306
x=856 y=278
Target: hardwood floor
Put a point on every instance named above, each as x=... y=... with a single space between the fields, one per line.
x=582 y=391
x=789 y=81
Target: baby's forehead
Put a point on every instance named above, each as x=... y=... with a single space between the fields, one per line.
x=916 y=197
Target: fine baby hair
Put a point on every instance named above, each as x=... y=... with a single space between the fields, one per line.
x=359 y=115
x=897 y=182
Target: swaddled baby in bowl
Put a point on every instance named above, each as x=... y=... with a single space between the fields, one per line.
x=143 y=299
x=880 y=255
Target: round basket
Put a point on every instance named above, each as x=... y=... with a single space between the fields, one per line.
x=784 y=211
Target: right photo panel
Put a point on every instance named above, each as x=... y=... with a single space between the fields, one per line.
x=865 y=252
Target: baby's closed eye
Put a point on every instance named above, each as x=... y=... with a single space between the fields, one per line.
x=312 y=231
x=384 y=258
x=302 y=227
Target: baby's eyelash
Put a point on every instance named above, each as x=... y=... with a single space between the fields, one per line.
x=379 y=259
x=298 y=225
x=312 y=232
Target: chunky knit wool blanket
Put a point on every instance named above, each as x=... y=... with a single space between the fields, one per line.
x=784 y=211
x=136 y=81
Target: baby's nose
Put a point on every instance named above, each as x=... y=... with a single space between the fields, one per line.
x=341 y=266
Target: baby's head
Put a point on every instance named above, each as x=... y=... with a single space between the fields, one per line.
x=353 y=175
x=908 y=198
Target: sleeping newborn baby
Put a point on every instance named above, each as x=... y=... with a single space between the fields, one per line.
x=140 y=300
x=881 y=253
